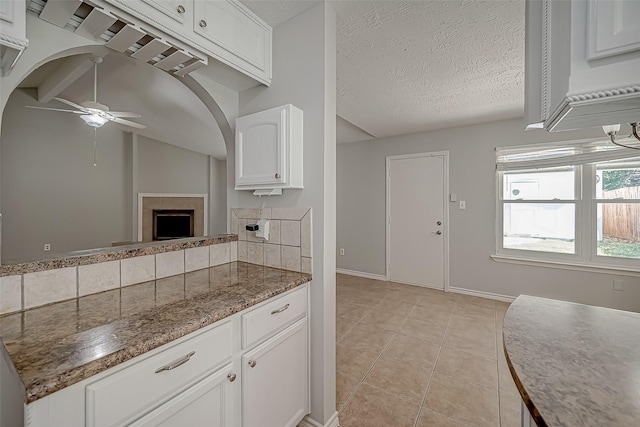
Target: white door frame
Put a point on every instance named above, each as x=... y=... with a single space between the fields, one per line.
x=445 y=204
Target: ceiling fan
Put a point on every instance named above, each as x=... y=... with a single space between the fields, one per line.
x=93 y=113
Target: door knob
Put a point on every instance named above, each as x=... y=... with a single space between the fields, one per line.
x=231 y=377
x=438 y=232
x=202 y=23
x=252 y=363
x=439 y=223
x=277 y=175
x=180 y=9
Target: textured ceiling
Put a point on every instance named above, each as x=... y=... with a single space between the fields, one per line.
x=407 y=67
x=171 y=112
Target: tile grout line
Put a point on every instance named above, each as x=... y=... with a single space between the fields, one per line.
x=346 y=402
x=426 y=391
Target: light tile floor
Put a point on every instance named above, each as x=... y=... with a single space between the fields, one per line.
x=417 y=357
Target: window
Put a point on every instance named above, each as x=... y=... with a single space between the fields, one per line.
x=576 y=203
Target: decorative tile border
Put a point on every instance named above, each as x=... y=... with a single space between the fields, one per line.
x=290 y=237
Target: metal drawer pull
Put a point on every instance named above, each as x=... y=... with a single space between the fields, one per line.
x=280 y=310
x=181 y=9
x=277 y=175
x=202 y=23
x=175 y=364
x=231 y=377
x=252 y=363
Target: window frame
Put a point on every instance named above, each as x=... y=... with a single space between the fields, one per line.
x=541 y=255
x=602 y=260
x=586 y=205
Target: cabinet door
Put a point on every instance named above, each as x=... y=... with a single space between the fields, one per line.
x=260 y=148
x=208 y=403
x=175 y=9
x=275 y=380
x=613 y=27
x=241 y=37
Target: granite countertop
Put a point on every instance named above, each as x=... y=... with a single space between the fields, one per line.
x=92 y=256
x=574 y=364
x=55 y=346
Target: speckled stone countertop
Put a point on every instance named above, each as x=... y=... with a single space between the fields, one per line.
x=55 y=346
x=93 y=256
x=574 y=364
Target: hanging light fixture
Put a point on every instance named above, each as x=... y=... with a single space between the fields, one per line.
x=612 y=131
x=94 y=120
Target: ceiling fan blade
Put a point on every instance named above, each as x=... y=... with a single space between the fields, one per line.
x=121 y=114
x=129 y=123
x=73 y=104
x=54 y=109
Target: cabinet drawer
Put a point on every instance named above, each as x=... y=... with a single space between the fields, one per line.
x=273 y=317
x=139 y=388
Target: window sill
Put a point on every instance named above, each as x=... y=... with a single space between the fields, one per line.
x=618 y=270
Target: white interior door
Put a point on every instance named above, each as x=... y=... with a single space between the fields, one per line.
x=416 y=222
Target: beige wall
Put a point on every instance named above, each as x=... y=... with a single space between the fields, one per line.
x=361 y=210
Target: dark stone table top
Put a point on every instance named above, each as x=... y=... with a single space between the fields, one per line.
x=574 y=365
x=58 y=345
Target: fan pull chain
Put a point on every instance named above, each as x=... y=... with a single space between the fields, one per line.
x=95 y=138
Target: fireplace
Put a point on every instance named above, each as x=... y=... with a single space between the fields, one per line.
x=149 y=204
x=172 y=223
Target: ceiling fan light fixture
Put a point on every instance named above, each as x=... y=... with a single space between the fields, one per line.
x=94 y=120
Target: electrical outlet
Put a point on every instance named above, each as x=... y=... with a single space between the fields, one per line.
x=341 y=251
x=47 y=247
x=618 y=285
x=463 y=204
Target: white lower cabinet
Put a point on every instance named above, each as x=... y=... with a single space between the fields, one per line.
x=208 y=403
x=197 y=380
x=275 y=380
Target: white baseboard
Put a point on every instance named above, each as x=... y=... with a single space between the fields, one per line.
x=362 y=274
x=310 y=422
x=482 y=294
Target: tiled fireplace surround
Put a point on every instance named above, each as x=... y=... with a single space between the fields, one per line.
x=29 y=285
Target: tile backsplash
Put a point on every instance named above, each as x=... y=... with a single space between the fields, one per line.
x=290 y=244
x=28 y=290
x=289 y=247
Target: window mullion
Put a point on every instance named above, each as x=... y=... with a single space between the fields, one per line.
x=587 y=228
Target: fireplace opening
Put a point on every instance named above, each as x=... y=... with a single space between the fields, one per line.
x=172 y=224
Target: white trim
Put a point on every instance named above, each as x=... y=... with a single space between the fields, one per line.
x=310 y=422
x=622 y=271
x=362 y=274
x=482 y=294
x=445 y=204
x=206 y=208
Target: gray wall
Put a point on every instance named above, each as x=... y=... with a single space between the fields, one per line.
x=165 y=168
x=52 y=193
x=361 y=207
x=304 y=75
x=218 y=197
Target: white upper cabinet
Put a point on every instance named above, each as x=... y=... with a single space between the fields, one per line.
x=225 y=30
x=235 y=35
x=582 y=63
x=269 y=150
x=13 y=33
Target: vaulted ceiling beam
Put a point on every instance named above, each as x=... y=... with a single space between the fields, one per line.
x=63 y=76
